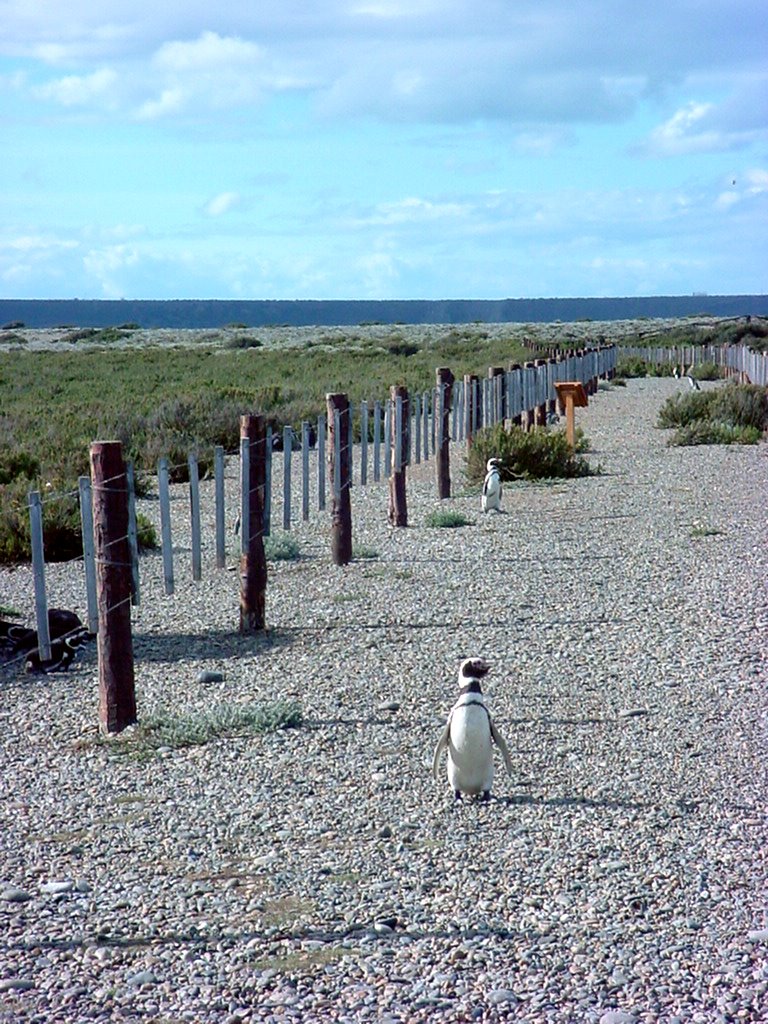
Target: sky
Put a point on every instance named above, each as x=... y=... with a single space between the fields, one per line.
x=289 y=149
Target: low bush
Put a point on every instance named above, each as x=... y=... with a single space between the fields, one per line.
x=735 y=414
x=446 y=519
x=706 y=371
x=281 y=548
x=528 y=455
x=707 y=432
x=631 y=366
x=166 y=730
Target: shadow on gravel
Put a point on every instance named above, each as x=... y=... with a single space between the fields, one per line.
x=217 y=644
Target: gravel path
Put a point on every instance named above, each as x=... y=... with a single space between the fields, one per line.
x=320 y=873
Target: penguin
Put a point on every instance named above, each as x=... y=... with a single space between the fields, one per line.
x=693 y=383
x=492 y=486
x=62 y=654
x=469 y=735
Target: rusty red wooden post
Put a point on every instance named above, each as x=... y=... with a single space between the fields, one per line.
x=117 y=695
x=398 y=503
x=338 y=472
x=444 y=386
x=253 y=561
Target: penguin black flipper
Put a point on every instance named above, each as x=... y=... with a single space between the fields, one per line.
x=442 y=744
x=498 y=739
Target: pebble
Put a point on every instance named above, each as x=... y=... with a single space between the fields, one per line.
x=209 y=677
x=16 y=984
x=14 y=895
x=321 y=873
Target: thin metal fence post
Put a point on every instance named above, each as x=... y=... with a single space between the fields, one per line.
x=268 y=482
x=376 y=441
x=305 y=471
x=38 y=570
x=89 y=560
x=165 y=524
x=321 y=429
x=194 y=511
x=363 y=443
x=218 y=477
x=133 y=534
x=287 y=453
x=387 y=439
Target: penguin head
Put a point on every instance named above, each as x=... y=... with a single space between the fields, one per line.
x=492 y=464
x=472 y=669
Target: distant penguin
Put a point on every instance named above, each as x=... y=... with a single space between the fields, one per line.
x=492 y=486
x=469 y=736
x=675 y=373
x=693 y=383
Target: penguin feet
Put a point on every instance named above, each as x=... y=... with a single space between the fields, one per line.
x=486 y=796
x=457 y=795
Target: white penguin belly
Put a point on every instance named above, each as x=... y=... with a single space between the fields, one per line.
x=470 y=753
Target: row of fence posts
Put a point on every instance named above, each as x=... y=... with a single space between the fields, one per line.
x=749 y=365
x=452 y=411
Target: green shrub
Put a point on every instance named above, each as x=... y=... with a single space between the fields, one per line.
x=706 y=371
x=166 y=730
x=684 y=408
x=709 y=432
x=360 y=552
x=281 y=548
x=445 y=519
x=529 y=455
x=735 y=405
x=146 y=534
x=631 y=366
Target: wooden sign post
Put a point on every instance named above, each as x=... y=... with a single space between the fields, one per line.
x=572 y=395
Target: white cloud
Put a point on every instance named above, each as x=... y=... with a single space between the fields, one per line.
x=209 y=51
x=81 y=90
x=222 y=203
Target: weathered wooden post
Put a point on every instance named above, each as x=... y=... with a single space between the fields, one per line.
x=117 y=696
x=498 y=380
x=540 y=406
x=516 y=401
x=444 y=394
x=253 y=561
x=398 y=506
x=338 y=471
x=470 y=406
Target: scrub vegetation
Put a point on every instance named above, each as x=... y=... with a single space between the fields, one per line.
x=734 y=414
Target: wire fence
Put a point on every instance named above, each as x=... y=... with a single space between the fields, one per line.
x=376 y=440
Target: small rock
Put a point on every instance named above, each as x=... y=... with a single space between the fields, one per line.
x=82 y=886
x=54 y=888
x=501 y=995
x=143 y=978
x=617 y=1017
x=16 y=985
x=14 y=895
x=634 y=713
x=761 y=935
x=381 y=928
x=389 y=705
x=210 y=677
x=384 y=833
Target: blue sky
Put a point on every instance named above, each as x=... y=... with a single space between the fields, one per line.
x=382 y=148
